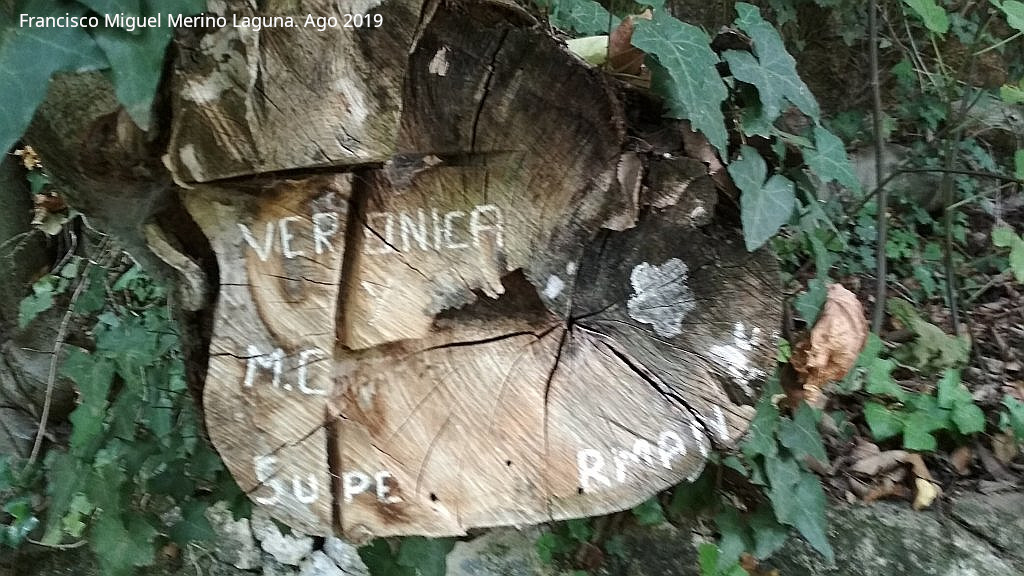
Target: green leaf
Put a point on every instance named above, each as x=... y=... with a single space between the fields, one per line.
x=693 y=498
x=29 y=56
x=880 y=381
x=801 y=435
x=136 y=62
x=686 y=73
x=769 y=534
x=585 y=17
x=36 y=303
x=810 y=302
x=592 y=49
x=883 y=422
x=807 y=514
x=121 y=548
x=764 y=206
x=773 y=71
x=425 y=555
x=649 y=513
x=951 y=391
x=381 y=561
x=969 y=419
x=707 y=556
x=916 y=435
x=760 y=438
x=1014 y=11
x=1018 y=158
x=73 y=523
x=193 y=527
x=579 y=529
x=933 y=15
x=1013 y=95
x=734 y=539
x=1013 y=417
x=829 y=161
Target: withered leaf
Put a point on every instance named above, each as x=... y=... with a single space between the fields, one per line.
x=832 y=347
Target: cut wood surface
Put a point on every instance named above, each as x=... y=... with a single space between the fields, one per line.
x=492 y=309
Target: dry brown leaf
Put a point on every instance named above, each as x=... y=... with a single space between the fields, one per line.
x=927 y=492
x=887 y=489
x=1004 y=447
x=29 y=158
x=918 y=467
x=623 y=57
x=961 y=459
x=879 y=463
x=832 y=347
x=749 y=563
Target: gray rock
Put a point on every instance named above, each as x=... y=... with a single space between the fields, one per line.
x=345 y=556
x=318 y=564
x=235 y=543
x=656 y=551
x=272 y=567
x=288 y=549
x=500 y=552
x=998 y=518
x=891 y=538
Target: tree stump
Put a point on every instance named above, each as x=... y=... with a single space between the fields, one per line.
x=452 y=293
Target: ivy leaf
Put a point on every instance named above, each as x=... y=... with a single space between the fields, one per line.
x=809 y=303
x=805 y=507
x=883 y=422
x=969 y=419
x=36 y=303
x=1014 y=11
x=649 y=513
x=379 y=559
x=801 y=435
x=951 y=391
x=829 y=161
x=880 y=381
x=29 y=56
x=769 y=535
x=760 y=438
x=917 y=432
x=121 y=548
x=764 y=206
x=734 y=540
x=686 y=73
x=586 y=17
x=426 y=556
x=136 y=62
x=770 y=69
x=194 y=526
x=933 y=15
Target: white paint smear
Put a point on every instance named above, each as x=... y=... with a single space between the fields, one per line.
x=439 y=63
x=661 y=296
x=554 y=287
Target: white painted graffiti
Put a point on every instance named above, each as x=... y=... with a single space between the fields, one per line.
x=355 y=483
x=388 y=232
x=612 y=467
x=280 y=236
x=305 y=491
x=273 y=362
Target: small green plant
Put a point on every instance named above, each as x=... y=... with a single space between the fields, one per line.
x=917 y=417
x=412 y=556
x=1005 y=237
x=134 y=456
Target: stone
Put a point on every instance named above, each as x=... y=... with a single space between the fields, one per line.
x=500 y=552
x=889 y=538
x=235 y=543
x=345 y=556
x=318 y=564
x=288 y=549
x=998 y=518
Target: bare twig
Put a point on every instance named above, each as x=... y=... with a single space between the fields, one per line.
x=883 y=197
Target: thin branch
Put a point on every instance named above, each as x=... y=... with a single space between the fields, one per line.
x=883 y=197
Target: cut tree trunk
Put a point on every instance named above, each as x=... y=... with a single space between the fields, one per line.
x=457 y=287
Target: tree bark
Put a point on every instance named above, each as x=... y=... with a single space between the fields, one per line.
x=458 y=282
